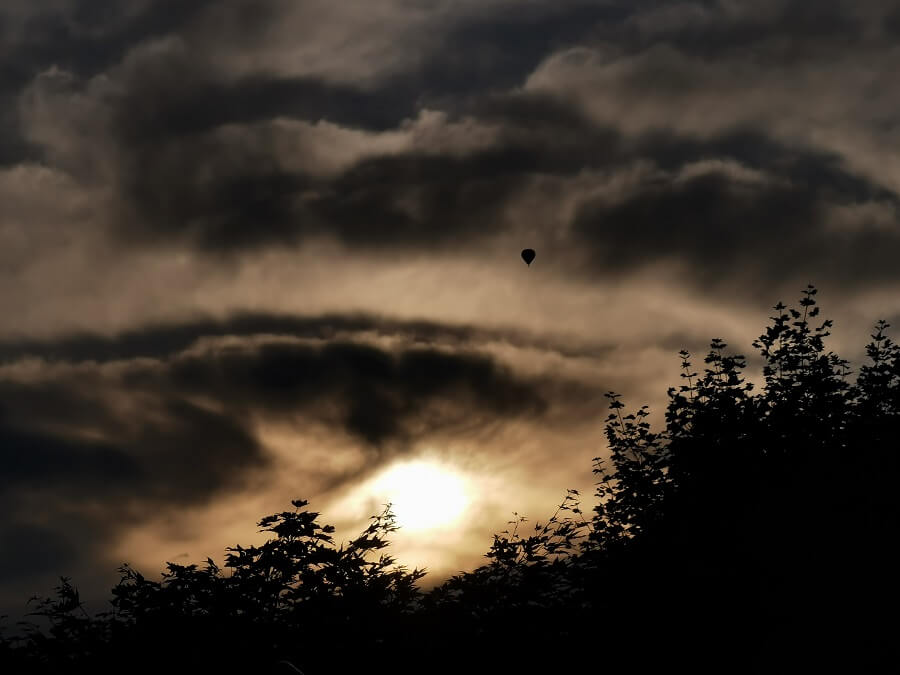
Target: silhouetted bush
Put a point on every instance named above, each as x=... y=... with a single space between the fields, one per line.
x=754 y=533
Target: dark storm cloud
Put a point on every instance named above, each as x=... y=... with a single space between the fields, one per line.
x=493 y=50
x=63 y=501
x=166 y=339
x=227 y=196
x=32 y=550
x=173 y=108
x=177 y=175
x=892 y=22
x=379 y=396
x=776 y=29
x=496 y=50
x=14 y=149
x=455 y=198
x=84 y=37
x=37 y=552
x=41 y=459
x=375 y=394
x=104 y=448
x=78 y=471
x=175 y=178
x=117 y=447
x=193 y=157
x=49 y=430
x=773 y=225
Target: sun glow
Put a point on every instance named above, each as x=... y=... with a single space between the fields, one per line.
x=423 y=495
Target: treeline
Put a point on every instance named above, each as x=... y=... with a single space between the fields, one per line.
x=754 y=533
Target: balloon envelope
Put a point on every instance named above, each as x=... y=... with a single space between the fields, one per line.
x=528 y=255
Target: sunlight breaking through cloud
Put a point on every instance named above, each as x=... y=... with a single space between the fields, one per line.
x=423 y=495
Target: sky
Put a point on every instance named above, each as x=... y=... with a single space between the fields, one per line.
x=260 y=251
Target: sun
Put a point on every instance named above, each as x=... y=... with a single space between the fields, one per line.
x=424 y=495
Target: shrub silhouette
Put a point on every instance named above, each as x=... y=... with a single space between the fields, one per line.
x=753 y=533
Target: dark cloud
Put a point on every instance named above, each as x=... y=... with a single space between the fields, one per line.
x=106 y=448
x=49 y=431
x=155 y=428
x=223 y=212
x=497 y=49
x=46 y=422
x=79 y=471
x=373 y=394
x=52 y=462
x=31 y=550
x=84 y=36
x=491 y=51
x=175 y=176
x=423 y=200
x=772 y=30
x=14 y=149
x=178 y=174
x=42 y=545
x=81 y=37
x=156 y=107
x=227 y=196
x=709 y=219
x=761 y=228
x=161 y=341
x=892 y=22
x=454 y=199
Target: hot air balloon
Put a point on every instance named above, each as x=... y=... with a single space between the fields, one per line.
x=528 y=256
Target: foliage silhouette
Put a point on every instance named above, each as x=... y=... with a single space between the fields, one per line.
x=753 y=533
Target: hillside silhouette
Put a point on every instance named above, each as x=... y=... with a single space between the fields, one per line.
x=753 y=533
